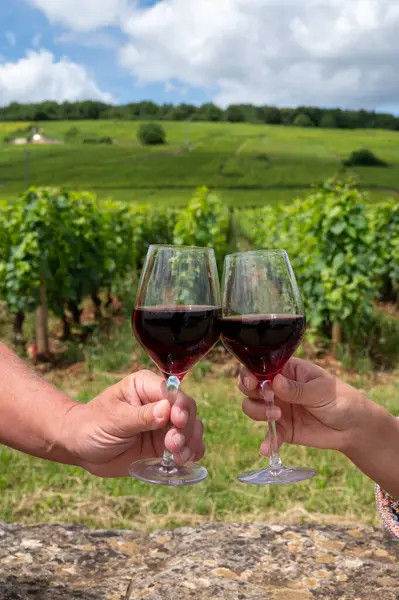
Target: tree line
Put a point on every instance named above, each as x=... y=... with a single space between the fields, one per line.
x=303 y=116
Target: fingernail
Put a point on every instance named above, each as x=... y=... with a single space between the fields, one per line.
x=160 y=410
x=264 y=451
x=185 y=454
x=184 y=416
x=273 y=414
x=249 y=383
x=282 y=383
x=179 y=440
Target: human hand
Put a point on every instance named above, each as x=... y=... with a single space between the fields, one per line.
x=312 y=408
x=132 y=420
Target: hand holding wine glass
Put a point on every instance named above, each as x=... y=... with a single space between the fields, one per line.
x=177 y=321
x=313 y=408
x=263 y=324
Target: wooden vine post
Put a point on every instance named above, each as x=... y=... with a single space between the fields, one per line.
x=42 y=341
x=336 y=338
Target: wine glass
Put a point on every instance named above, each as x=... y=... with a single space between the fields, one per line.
x=263 y=324
x=177 y=321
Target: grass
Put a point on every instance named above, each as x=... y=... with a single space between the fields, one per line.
x=37 y=491
x=248 y=164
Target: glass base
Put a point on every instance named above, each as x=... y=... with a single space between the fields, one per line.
x=273 y=476
x=152 y=471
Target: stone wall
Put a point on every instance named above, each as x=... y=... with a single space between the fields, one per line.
x=240 y=562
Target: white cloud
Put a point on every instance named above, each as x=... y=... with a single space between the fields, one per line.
x=10 y=37
x=287 y=52
x=82 y=15
x=38 y=76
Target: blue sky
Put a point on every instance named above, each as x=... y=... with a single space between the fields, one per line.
x=24 y=27
x=285 y=52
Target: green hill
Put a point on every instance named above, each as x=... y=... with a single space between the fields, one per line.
x=248 y=164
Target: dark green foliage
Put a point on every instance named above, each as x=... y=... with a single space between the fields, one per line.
x=364 y=158
x=238 y=113
x=382 y=341
x=100 y=140
x=151 y=134
x=351 y=255
x=328 y=121
x=72 y=134
x=234 y=114
x=76 y=247
x=384 y=220
x=271 y=115
x=205 y=222
x=303 y=120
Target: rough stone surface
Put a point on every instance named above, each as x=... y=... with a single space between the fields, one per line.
x=231 y=562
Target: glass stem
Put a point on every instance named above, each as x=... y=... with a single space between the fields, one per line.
x=268 y=396
x=172 y=386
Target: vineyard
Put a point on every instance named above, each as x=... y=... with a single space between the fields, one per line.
x=60 y=249
x=68 y=275
x=247 y=164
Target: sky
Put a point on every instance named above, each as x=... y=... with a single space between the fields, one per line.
x=277 y=52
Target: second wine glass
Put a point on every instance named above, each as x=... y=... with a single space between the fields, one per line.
x=263 y=324
x=177 y=321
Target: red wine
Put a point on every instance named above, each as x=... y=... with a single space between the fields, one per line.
x=177 y=337
x=263 y=343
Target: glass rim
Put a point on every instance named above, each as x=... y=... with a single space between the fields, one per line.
x=253 y=252
x=182 y=247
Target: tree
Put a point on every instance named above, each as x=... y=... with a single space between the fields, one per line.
x=328 y=121
x=151 y=134
x=235 y=114
x=72 y=134
x=148 y=109
x=271 y=115
x=303 y=120
x=364 y=158
x=211 y=112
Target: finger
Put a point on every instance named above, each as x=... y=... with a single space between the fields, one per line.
x=148 y=417
x=185 y=445
x=194 y=445
x=184 y=412
x=311 y=393
x=260 y=412
x=175 y=441
x=143 y=387
x=200 y=454
x=302 y=370
x=265 y=449
x=248 y=384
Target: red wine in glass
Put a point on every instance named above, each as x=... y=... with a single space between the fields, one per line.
x=177 y=337
x=263 y=324
x=177 y=321
x=263 y=343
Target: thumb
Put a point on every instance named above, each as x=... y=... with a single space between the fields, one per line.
x=295 y=392
x=148 y=417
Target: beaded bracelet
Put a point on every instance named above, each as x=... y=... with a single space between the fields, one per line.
x=388 y=508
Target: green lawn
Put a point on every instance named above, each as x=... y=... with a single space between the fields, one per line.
x=248 y=164
x=35 y=491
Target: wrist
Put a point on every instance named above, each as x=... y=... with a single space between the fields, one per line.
x=361 y=416
x=374 y=448
x=66 y=444
x=372 y=425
